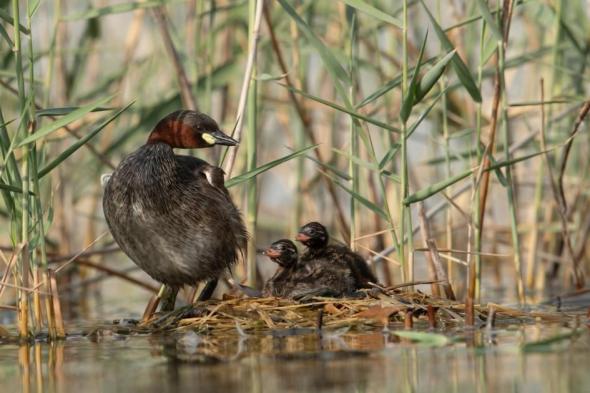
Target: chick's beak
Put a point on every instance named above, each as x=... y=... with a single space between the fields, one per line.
x=302 y=237
x=271 y=253
x=223 y=139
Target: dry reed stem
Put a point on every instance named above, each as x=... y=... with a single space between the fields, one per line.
x=396 y=263
x=72 y=259
x=451 y=258
x=150 y=309
x=9 y=267
x=23 y=295
x=440 y=271
x=485 y=164
x=431 y=312
x=56 y=306
x=118 y=274
x=253 y=47
x=37 y=314
x=426 y=236
x=48 y=302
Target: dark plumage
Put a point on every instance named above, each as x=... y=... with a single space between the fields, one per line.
x=315 y=237
x=171 y=214
x=295 y=280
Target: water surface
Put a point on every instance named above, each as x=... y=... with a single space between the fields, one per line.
x=289 y=361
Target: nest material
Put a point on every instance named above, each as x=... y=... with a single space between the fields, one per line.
x=256 y=314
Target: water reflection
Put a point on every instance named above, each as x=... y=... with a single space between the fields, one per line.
x=336 y=362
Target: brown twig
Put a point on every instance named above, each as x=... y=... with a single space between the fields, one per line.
x=507 y=7
x=63 y=265
x=117 y=274
x=440 y=272
x=185 y=87
x=431 y=313
x=425 y=232
x=485 y=164
x=60 y=258
x=583 y=112
x=307 y=125
x=557 y=185
x=409 y=284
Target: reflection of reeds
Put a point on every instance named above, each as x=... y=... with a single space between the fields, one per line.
x=351 y=83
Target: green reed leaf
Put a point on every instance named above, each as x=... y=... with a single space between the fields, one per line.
x=343 y=109
x=234 y=181
x=79 y=143
x=432 y=76
x=56 y=125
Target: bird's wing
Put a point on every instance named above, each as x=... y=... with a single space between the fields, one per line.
x=215 y=176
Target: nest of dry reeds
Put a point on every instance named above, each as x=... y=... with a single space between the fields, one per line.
x=372 y=312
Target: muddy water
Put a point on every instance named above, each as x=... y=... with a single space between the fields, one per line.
x=289 y=361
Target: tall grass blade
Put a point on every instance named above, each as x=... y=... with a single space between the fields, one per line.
x=458 y=65
x=390 y=85
x=56 y=125
x=343 y=109
x=66 y=110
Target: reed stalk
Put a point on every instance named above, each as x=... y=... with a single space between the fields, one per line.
x=476 y=261
x=26 y=124
x=251 y=142
x=353 y=170
x=299 y=129
x=407 y=271
x=447 y=151
x=512 y=202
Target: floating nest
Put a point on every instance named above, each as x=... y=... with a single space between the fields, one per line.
x=374 y=311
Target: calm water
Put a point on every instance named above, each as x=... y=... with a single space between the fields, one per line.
x=478 y=361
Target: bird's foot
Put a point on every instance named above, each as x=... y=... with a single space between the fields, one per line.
x=167 y=297
x=208 y=290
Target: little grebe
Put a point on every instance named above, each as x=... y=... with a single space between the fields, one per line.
x=315 y=237
x=171 y=214
x=299 y=280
